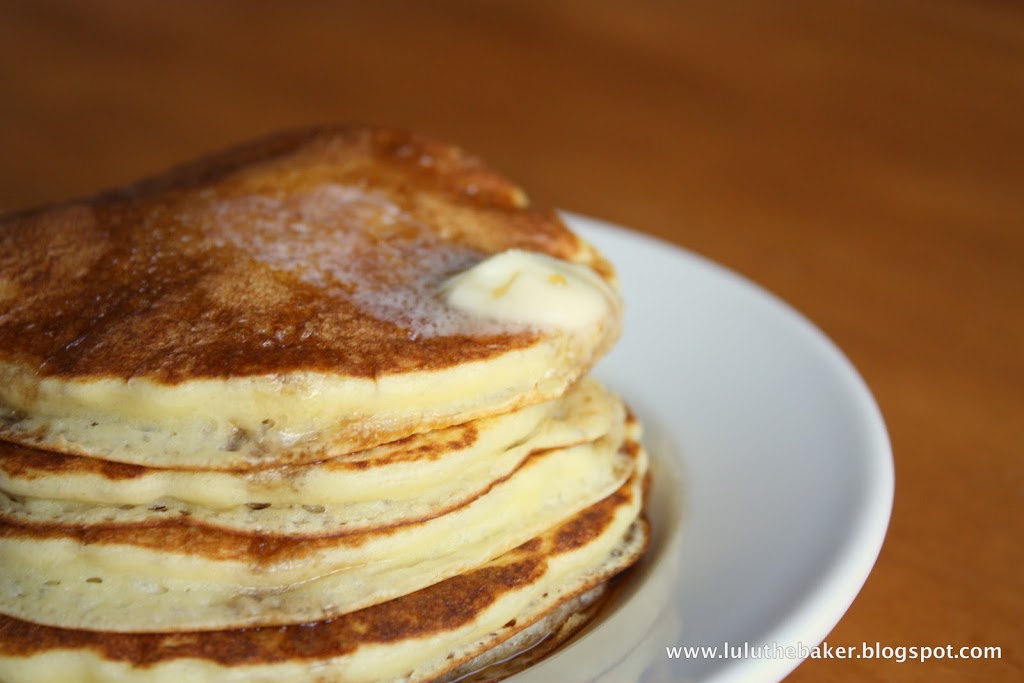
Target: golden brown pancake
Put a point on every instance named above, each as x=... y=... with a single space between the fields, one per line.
x=294 y=412
x=414 y=479
x=178 y=575
x=281 y=302
x=415 y=638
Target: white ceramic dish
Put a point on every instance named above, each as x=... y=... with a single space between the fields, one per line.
x=773 y=479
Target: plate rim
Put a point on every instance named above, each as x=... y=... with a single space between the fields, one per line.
x=826 y=602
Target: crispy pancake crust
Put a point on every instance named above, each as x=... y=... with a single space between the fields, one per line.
x=278 y=303
x=186 y=277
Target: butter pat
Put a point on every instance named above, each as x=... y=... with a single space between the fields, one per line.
x=529 y=288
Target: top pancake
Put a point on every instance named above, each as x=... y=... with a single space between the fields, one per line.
x=289 y=294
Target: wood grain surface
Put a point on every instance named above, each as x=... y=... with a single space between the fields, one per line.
x=863 y=160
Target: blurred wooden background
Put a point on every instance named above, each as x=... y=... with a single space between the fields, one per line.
x=863 y=160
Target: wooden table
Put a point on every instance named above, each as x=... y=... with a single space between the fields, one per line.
x=863 y=160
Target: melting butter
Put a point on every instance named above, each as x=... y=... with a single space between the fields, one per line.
x=529 y=288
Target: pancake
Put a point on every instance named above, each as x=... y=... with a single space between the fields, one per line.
x=176 y=575
x=315 y=408
x=416 y=638
x=306 y=296
x=418 y=478
x=534 y=643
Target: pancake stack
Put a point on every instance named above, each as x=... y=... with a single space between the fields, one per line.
x=312 y=409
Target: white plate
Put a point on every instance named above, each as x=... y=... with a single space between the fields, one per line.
x=773 y=474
